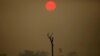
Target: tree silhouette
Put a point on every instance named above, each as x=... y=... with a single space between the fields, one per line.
x=3 y=54
x=32 y=53
x=72 y=53
x=51 y=38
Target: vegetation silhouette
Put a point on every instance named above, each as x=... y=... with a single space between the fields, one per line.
x=73 y=53
x=32 y=53
x=3 y=55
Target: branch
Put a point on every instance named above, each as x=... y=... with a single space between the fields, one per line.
x=50 y=37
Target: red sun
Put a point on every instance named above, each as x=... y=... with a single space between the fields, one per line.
x=50 y=6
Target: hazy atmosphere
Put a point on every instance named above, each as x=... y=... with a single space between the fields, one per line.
x=24 y=25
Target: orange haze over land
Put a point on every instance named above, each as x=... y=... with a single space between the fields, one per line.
x=22 y=27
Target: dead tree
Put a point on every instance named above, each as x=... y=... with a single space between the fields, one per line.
x=51 y=38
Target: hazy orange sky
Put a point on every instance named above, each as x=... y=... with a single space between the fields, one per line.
x=25 y=23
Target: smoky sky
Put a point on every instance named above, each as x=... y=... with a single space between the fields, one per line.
x=25 y=23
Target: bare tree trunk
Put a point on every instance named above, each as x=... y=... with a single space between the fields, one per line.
x=52 y=49
x=52 y=45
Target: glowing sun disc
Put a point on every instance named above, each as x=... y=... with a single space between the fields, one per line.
x=50 y=6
